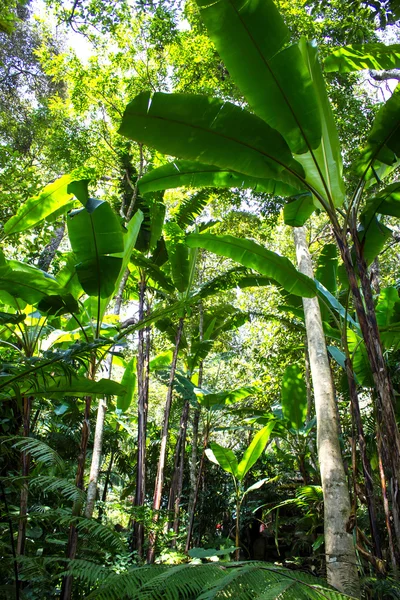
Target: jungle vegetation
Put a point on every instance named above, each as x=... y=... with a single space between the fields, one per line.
x=200 y=311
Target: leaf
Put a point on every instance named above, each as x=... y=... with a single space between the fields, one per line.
x=253 y=255
x=254 y=451
x=297 y=211
x=128 y=382
x=32 y=285
x=184 y=173
x=95 y=235
x=324 y=167
x=256 y=485
x=11 y=318
x=77 y=386
x=53 y=197
x=164 y=359
x=223 y=457
x=373 y=236
x=210 y=131
x=386 y=202
x=359 y=358
x=325 y=294
x=355 y=57
x=327 y=266
x=238 y=277
x=178 y=255
x=294 y=397
x=383 y=144
x=226 y=397
x=152 y=271
x=252 y=38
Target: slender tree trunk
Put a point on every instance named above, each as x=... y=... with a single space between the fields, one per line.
x=339 y=548
x=196 y=491
x=163 y=448
x=386 y=504
x=106 y=484
x=66 y=588
x=101 y=417
x=96 y=458
x=143 y=394
x=175 y=491
x=49 y=252
x=25 y=460
x=195 y=423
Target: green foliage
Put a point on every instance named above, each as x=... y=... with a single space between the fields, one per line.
x=203 y=582
x=294 y=396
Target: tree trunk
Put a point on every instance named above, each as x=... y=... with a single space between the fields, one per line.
x=49 y=252
x=163 y=448
x=367 y=470
x=101 y=417
x=385 y=399
x=25 y=460
x=339 y=548
x=96 y=458
x=196 y=491
x=177 y=477
x=66 y=588
x=143 y=394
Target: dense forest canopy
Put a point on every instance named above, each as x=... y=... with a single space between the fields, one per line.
x=199 y=320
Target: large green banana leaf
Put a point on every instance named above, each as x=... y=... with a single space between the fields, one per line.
x=253 y=255
x=181 y=173
x=128 y=382
x=323 y=165
x=96 y=237
x=355 y=57
x=383 y=144
x=386 y=202
x=297 y=211
x=223 y=457
x=52 y=198
x=178 y=255
x=252 y=38
x=294 y=397
x=33 y=286
x=254 y=451
x=210 y=131
x=78 y=386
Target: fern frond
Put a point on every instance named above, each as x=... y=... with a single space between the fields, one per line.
x=214 y=581
x=62 y=486
x=38 y=449
x=190 y=208
x=87 y=571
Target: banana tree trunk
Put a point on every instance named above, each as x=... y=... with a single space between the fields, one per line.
x=163 y=448
x=367 y=470
x=385 y=399
x=339 y=548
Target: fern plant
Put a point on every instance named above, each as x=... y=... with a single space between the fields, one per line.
x=210 y=581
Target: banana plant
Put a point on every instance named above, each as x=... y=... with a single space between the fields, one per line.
x=290 y=137
x=225 y=458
